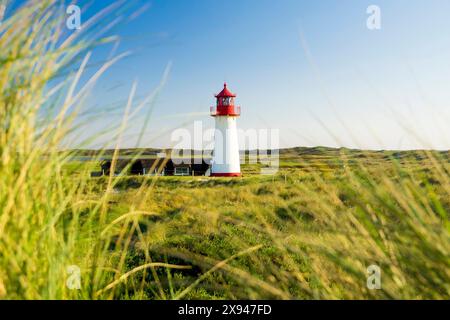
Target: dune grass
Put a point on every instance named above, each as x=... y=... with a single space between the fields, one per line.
x=314 y=232
x=308 y=232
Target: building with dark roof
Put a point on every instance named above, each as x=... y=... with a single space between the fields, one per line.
x=154 y=166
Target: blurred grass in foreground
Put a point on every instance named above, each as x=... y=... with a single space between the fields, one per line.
x=308 y=232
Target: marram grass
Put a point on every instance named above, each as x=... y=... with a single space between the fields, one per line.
x=309 y=232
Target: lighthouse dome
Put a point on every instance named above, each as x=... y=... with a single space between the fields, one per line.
x=225 y=93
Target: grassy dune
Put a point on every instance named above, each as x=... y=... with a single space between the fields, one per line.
x=310 y=231
x=313 y=229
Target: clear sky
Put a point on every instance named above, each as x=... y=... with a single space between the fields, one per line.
x=311 y=69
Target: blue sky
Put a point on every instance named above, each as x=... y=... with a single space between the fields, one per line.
x=342 y=85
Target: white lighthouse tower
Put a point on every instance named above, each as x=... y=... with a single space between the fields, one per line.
x=225 y=161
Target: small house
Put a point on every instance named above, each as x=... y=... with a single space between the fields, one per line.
x=154 y=166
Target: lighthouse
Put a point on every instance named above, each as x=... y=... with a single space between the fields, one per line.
x=225 y=162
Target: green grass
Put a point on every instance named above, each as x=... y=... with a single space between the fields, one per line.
x=318 y=231
x=308 y=232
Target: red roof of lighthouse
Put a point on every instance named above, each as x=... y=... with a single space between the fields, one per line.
x=225 y=92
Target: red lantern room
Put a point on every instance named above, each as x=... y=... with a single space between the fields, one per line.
x=225 y=104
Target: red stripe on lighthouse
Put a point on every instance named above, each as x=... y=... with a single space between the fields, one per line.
x=226 y=174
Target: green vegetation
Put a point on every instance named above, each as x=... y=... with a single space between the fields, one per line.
x=314 y=231
x=310 y=231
